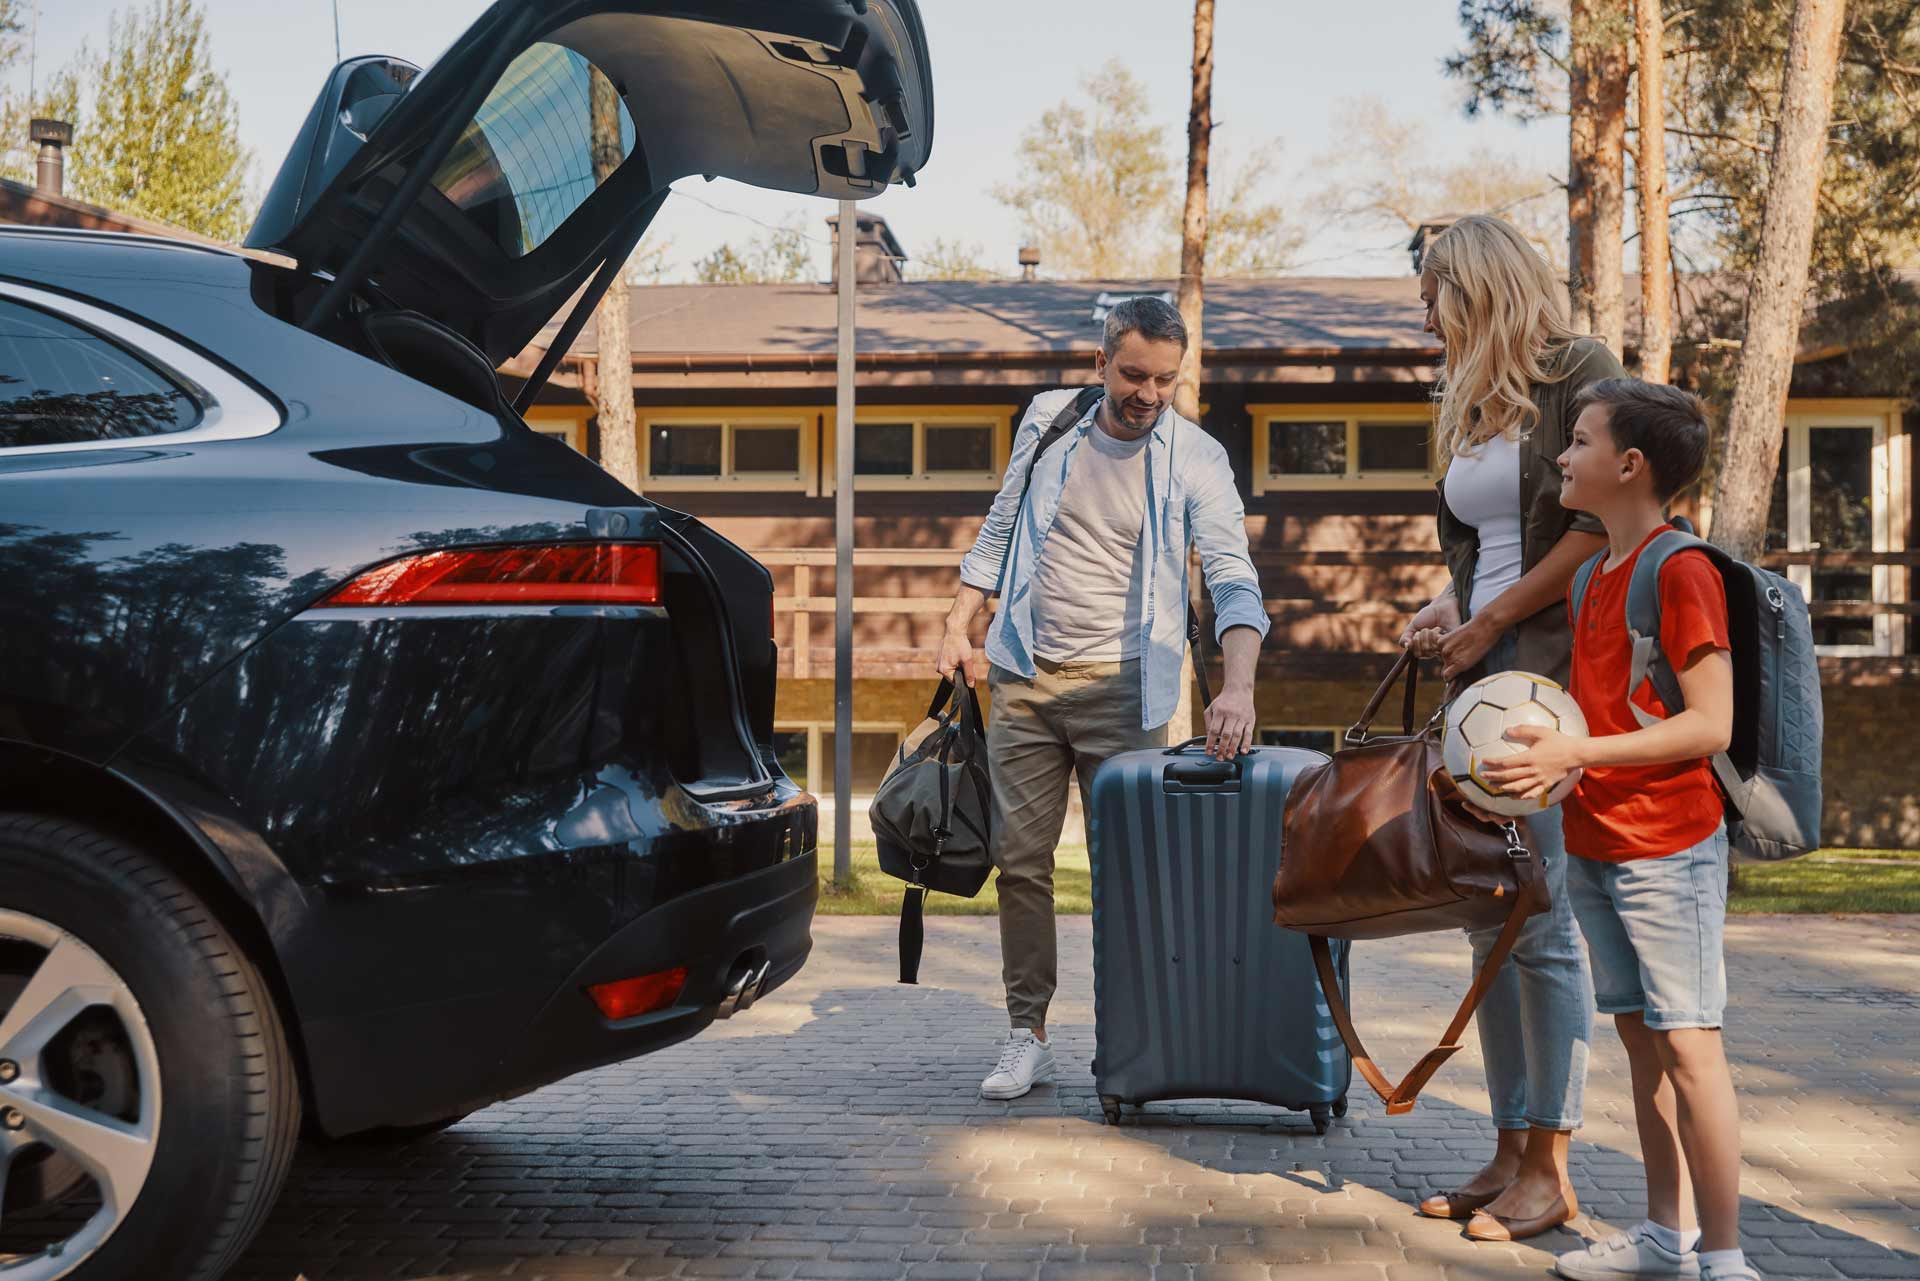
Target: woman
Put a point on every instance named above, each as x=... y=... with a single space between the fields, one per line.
x=1512 y=367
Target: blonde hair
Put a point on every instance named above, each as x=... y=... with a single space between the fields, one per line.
x=1501 y=313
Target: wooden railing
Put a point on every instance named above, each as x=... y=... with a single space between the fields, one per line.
x=1850 y=560
x=802 y=605
x=937 y=566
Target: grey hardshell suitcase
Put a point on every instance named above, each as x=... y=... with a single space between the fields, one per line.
x=1196 y=993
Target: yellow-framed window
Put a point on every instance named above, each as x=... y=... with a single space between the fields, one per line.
x=927 y=446
x=729 y=448
x=565 y=423
x=1341 y=446
x=1842 y=487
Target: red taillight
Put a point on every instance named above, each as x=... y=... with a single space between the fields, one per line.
x=626 y=998
x=551 y=574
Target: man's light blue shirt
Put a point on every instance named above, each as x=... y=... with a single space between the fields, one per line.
x=1191 y=503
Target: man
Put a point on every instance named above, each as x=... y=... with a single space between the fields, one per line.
x=1085 y=652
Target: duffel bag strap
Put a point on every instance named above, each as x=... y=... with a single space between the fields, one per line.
x=913 y=932
x=1400 y=1098
x=913 y=924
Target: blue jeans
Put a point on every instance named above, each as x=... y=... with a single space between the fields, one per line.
x=1656 y=931
x=1537 y=1019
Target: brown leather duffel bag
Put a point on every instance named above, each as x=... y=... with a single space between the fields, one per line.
x=1377 y=843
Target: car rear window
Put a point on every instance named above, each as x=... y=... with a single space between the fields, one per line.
x=61 y=384
x=524 y=162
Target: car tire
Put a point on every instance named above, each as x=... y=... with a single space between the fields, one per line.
x=179 y=1010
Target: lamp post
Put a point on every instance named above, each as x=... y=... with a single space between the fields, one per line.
x=846 y=231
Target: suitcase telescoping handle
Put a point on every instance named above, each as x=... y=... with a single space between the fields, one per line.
x=1199 y=773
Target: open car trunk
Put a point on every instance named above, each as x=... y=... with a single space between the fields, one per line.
x=485 y=191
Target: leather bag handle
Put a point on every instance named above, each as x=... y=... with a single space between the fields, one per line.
x=1400 y=1098
x=1406 y=663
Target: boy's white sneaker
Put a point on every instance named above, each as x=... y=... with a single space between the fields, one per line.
x=1733 y=1272
x=1025 y=1061
x=1632 y=1253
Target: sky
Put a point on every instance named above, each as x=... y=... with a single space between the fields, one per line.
x=1282 y=70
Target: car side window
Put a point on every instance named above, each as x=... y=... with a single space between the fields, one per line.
x=61 y=384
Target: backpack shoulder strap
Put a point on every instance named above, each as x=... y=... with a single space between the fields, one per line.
x=1643 y=622
x=1063 y=422
x=1583 y=579
x=1649 y=662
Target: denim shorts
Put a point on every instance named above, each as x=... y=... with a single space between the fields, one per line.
x=1656 y=933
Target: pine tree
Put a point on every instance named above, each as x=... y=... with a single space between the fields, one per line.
x=1777 y=296
x=1650 y=176
x=1192 y=288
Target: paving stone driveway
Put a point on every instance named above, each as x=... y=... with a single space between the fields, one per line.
x=835 y=1131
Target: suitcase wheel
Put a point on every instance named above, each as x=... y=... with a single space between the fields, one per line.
x=1340 y=1106
x=1110 y=1109
x=1322 y=1117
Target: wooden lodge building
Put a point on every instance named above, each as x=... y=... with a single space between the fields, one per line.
x=1318 y=388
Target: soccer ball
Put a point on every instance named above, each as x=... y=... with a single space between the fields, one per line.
x=1476 y=734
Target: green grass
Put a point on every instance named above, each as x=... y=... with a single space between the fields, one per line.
x=1812 y=885
x=1807 y=885
x=1892 y=856
x=874 y=893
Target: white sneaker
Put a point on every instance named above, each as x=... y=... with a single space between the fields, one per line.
x=1738 y=1272
x=1025 y=1061
x=1632 y=1253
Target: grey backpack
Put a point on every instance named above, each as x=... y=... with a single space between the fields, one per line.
x=1770 y=773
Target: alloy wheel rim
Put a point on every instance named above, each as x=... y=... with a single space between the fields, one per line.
x=70 y=979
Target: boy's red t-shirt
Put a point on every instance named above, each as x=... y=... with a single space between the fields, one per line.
x=1627 y=812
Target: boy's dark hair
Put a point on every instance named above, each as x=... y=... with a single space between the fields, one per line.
x=1666 y=424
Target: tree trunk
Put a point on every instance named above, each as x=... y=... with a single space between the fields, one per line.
x=1650 y=166
x=1581 y=117
x=1193 y=276
x=1744 y=487
x=613 y=385
x=1596 y=166
x=1193 y=224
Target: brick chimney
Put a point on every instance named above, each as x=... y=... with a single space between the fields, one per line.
x=50 y=170
x=877 y=255
x=1424 y=236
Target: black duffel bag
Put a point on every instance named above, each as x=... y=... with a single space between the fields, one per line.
x=932 y=814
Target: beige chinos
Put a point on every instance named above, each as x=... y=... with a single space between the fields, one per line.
x=1064 y=722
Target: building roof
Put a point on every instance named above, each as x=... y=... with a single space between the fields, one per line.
x=1302 y=314
x=22 y=204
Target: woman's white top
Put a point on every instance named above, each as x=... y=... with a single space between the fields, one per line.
x=1483 y=490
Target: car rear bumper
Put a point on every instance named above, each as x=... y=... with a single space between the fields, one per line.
x=756 y=928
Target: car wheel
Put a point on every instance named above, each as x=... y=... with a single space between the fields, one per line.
x=149 y=1104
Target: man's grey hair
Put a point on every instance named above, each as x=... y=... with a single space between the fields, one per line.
x=1152 y=318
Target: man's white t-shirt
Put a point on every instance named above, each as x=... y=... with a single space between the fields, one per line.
x=1087 y=605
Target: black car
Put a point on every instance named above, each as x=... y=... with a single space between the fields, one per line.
x=365 y=756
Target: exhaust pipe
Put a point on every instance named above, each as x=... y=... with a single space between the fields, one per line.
x=743 y=988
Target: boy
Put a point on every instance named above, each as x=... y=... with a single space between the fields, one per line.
x=1648 y=873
